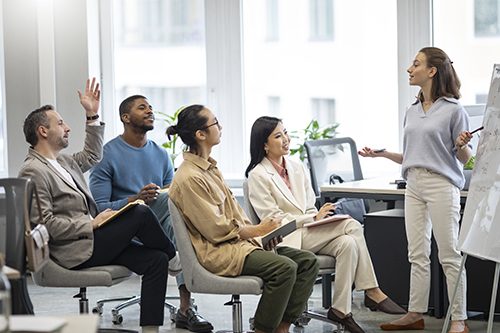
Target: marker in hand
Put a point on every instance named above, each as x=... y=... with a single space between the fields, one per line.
x=474 y=131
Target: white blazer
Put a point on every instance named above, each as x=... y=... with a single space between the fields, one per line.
x=270 y=196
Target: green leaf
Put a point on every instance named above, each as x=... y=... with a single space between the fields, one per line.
x=313 y=131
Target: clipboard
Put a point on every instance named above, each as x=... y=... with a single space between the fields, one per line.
x=330 y=219
x=121 y=211
x=283 y=231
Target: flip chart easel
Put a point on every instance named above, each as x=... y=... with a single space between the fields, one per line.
x=481 y=220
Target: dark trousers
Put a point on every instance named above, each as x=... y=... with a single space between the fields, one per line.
x=113 y=244
x=289 y=277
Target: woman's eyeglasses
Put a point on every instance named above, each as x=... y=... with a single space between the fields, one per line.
x=207 y=126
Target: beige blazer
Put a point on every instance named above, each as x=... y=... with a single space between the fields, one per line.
x=67 y=210
x=270 y=196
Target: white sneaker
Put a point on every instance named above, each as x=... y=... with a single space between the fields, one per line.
x=174 y=265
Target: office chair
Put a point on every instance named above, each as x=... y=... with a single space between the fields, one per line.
x=14 y=194
x=334 y=160
x=199 y=280
x=337 y=156
x=17 y=194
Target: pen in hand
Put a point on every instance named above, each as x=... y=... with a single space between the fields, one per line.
x=474 y=131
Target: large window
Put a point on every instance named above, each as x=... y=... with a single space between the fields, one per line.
x=468 y=32
x=323 y=110
x=272 y=20
x=487 y=18
x=321 y=19
x=3 y=135
x=351 y=79
x=159 y=22
x=160 y=53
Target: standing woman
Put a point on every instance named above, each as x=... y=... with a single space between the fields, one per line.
x=222 y=235
x=435 y=147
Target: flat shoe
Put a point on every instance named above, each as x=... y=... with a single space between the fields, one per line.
x=347 y=321
x=466 y=330
x=387 y=306
x=418 y=325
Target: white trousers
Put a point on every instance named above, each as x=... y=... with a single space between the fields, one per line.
x=432 y=204
x=345 y=241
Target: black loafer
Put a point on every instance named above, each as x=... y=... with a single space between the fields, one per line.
x=387 y=306
x=192 y=321
x=347 y=321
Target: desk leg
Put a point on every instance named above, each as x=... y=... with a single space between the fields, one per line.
x=21 y=302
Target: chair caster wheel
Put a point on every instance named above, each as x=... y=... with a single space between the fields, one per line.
x=97 y=310
x=117 y=319
x=302 y=321
x=252 y=324
x=173 y=313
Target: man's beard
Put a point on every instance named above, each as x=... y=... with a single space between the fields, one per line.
x=142 y=127
x=147 y=127
x=61 y=143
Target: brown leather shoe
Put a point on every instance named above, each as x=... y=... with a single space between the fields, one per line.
x=346 y=320
x=418 y=325
x=387 y=306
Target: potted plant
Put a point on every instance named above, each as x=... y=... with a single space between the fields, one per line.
x=313 y=131
x=173 y=146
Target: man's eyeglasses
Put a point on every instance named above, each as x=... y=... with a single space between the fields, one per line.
x=207 y=126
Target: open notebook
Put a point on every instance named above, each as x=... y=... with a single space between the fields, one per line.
x=121 y=211
x=283 y=231
x=330 y=219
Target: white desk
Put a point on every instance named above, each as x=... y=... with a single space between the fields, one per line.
x=374 y=188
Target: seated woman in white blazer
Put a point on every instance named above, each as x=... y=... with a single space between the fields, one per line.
x=279 y=186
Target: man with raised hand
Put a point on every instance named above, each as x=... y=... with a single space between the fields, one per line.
x=78 y=238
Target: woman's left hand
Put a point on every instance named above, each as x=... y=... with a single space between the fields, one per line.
x=463 y=139
x=326 y=210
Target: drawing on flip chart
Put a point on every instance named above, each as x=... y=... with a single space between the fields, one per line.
x=480 y=231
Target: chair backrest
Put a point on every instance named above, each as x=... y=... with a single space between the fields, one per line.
x=197 y=278
x=332 y=156
x=15 y=195
x=252 y=215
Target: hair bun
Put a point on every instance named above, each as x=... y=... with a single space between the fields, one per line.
x=171 y=130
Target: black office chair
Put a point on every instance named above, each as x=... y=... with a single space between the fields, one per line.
x=13 y=196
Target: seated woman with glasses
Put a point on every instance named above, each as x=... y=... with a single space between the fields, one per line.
x=281 y=187
x=222 y=235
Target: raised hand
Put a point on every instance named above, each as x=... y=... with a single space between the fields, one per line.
x=91 y=97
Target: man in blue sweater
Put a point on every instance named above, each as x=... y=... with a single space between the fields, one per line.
x=132 y=168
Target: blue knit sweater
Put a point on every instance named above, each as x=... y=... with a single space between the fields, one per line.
x=124 y=170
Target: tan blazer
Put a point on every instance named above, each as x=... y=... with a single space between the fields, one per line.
x=67 y=210
x=270 y=196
